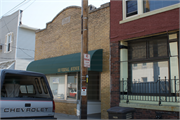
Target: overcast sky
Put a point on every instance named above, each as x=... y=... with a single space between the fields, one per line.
x=36 y=13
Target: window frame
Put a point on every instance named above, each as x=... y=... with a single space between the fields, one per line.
x=154 y=59
x=8 y=43
x=141 y=13
x=144 y=1
x=38 y=86
x=65 y=88
x=45 y=90
x=27 y=89
x=131 y=13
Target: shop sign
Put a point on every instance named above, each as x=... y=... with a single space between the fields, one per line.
x=69 y=69
x=87 y=60
x=83 y=91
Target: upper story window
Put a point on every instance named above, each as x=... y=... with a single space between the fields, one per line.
x=8 y=42
x=131 y=7
x=150 y=5
x=138 y=7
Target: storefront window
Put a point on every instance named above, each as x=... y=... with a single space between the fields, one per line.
x=71 y=86
x=68 y=86
x=57 y=84
x=150 y=64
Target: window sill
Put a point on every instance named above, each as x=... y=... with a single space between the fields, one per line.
x=8 y=51
x=150 y=13
x=151 y=105
x=66 y=101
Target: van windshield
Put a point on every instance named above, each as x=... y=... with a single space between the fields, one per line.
x=22 y=86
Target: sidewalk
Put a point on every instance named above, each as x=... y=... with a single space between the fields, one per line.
x=66 y=116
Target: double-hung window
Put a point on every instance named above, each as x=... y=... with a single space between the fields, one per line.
x=8 y=42
x=131 y=7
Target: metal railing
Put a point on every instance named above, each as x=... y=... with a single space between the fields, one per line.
x=161 y=90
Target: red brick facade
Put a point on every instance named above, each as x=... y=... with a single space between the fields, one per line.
x=157 y=23
x=115 y=74
x=154 y=24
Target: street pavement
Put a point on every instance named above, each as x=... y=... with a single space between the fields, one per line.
x=66 y=116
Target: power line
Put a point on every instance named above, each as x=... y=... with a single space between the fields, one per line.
x=29 y=5
x=15 y=7
x=26 y=54
x=20 y=48
x=14 y=58
x=5 y=24
x=17 y=15
x=9 y=31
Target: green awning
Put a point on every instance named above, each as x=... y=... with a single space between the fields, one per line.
x=66 y=63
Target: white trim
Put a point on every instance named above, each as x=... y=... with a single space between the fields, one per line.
x=17 y=35
x=151 y=105
x=140 y=7
x=27 y=27
x=65 y=94
x=77 y=95
x=7 y=42
x=124 y=9
x=7 y=61
x=135 y=17
x=10 y=65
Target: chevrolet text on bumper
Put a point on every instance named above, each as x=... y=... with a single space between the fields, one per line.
x=25 y=95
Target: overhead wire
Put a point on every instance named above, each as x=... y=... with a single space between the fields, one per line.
x=17 y=15
x=13 y=58
x=18 y=47
x=9 y=30
x=14 y=7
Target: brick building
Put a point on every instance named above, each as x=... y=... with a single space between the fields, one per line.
x=57 y=54
x=144 y=43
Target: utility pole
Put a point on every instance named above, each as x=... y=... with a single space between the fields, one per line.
x=84 y=50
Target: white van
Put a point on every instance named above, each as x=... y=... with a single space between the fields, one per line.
x=25 y=95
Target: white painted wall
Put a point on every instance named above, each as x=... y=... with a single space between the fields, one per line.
x=8 y=24
x=92 y=107
x=21 y=64
x=26 y=43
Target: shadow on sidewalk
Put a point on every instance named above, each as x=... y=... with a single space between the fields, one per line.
x=66 y=116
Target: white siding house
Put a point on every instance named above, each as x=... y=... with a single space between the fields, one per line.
x=17 y=42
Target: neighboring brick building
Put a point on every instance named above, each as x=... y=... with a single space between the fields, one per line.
x=59 y=45
x=144 y=41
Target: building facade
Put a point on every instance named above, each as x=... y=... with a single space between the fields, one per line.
x=144 y=43
x=17 y=42
x=57 y=54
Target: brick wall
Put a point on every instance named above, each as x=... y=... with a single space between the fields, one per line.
x=150 y=25
x=62 y=36
x=157 y=23
x=66 y=108
x=151 y=114
x=115 y=74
